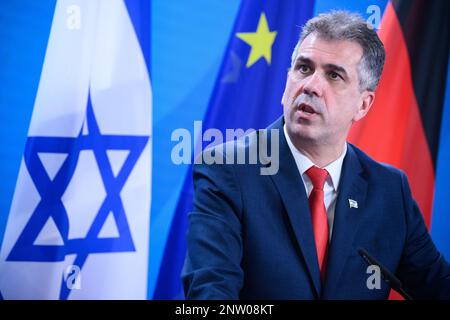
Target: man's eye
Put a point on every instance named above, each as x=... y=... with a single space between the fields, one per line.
x=334 y=76
x=303 y=68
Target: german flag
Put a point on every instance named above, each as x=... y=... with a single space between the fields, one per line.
x=403 y=126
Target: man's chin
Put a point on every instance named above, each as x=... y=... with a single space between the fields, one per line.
x=302 y=132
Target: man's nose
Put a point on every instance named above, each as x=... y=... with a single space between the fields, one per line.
x=313 y=85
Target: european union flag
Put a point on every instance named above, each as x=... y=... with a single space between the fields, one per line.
x=247 y=95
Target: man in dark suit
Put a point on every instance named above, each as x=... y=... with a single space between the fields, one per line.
x=295 y=234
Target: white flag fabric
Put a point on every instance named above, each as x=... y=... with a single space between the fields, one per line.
x=78 y=227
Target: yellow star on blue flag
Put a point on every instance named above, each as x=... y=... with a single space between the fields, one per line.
x=260 y=41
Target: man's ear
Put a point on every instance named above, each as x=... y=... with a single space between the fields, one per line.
x=366 y=103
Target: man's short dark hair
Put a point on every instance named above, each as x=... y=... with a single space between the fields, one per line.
x=343 y=25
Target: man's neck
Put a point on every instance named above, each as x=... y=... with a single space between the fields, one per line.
x=321 y=154
x=321 y=157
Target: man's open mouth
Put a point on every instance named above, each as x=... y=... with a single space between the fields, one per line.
x=306 y=108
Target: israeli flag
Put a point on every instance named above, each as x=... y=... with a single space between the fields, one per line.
x=78 y=227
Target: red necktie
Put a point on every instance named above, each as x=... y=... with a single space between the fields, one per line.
x=319 y=214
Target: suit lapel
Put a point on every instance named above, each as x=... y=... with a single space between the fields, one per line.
x=292 y=191
x=346 y=219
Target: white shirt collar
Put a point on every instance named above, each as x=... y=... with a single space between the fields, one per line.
x=304 y=163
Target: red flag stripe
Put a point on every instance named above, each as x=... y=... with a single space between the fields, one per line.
x=392 y=131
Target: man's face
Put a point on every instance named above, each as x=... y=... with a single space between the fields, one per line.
x=322 y=97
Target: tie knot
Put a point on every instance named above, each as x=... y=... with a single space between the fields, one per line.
x=317 y=176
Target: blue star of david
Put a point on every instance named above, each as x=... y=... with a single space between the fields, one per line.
x=51 y=192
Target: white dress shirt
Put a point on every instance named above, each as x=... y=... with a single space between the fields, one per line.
x=330 y=188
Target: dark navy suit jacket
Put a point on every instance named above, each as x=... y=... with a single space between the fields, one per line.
x=250 y=235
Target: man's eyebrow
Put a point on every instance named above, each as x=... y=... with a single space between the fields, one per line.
x=328 y=66
x=304 y=60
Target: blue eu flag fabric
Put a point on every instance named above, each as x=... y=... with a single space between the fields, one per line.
x=247 y=94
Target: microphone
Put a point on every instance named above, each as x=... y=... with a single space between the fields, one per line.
x=387 y=276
